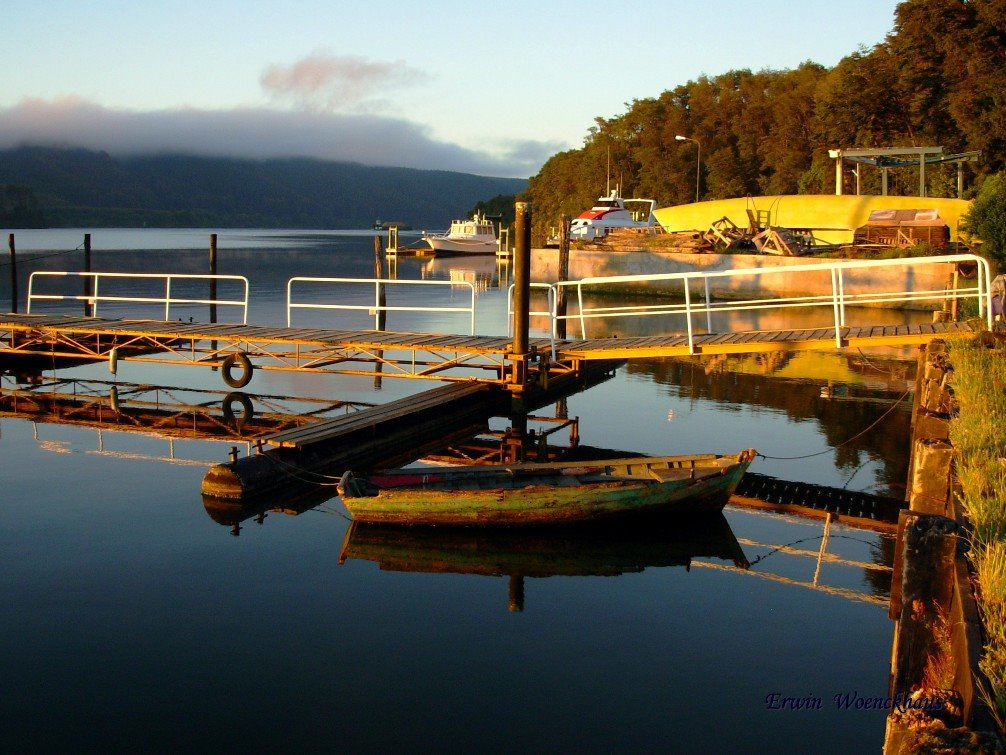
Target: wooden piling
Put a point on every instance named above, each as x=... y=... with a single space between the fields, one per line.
x=213 y=281
x=937 y=630
x=521 y=294
x=13 y=273
x=88 y=283
x=560 y=299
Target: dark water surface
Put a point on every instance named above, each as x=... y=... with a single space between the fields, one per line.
x=134 y=618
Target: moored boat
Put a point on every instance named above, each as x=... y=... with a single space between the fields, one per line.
x=476 y=235
x=611 y=212
x=545 y=493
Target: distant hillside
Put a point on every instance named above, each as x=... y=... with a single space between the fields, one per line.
x=81 y=188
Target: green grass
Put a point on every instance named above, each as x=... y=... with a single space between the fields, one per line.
x=978 y=434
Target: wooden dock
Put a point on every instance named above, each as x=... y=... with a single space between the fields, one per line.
x=387 y=435
x=238 y=350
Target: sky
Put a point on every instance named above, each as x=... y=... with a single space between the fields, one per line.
x=493 y=89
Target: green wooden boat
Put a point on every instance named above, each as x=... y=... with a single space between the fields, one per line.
x=545 y=493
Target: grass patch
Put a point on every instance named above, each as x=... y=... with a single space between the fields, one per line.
x=978 y=434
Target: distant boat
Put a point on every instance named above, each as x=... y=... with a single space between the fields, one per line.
x=384 y=225
x=611 y=212
x=545 y=493
x=474 y=236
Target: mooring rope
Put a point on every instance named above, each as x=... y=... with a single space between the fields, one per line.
x=872 y=425
x=20 y=259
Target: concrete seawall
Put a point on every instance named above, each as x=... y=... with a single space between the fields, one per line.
x=588 y=263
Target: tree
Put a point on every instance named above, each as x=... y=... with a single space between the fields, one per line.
x=986 y=219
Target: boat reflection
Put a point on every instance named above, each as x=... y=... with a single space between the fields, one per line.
x=483 y=272
x=547 y=552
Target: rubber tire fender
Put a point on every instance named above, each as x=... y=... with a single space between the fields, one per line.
x=247 y=410
x=243 y=363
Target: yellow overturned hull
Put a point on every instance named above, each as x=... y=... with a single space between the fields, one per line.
x=831 y=218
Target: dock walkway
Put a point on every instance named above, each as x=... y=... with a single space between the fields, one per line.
x=487 y=359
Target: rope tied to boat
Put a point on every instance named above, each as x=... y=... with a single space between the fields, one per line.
x=861 y=433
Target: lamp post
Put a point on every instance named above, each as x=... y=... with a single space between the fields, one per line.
x=698 y=160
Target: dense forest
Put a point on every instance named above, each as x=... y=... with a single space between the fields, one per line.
x=82 y=188
x=938 y=79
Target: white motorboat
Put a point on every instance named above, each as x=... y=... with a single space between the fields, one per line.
x=474 y=236
x=611 y=212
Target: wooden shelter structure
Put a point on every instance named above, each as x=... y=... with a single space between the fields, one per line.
x=886 y=158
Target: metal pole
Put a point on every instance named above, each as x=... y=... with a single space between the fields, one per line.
x=13 y=273
x=213 y=281
x=522 y=291
x=698 y=167
x=88 y=302
x=382 y=302
x=382 y=314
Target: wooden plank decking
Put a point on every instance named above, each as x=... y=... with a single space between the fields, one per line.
x=374 y=417
x=410 y=355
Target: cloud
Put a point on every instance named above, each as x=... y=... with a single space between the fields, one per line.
x=258 y=133
x=331 y=82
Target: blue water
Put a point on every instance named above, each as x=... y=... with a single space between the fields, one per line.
x=135 y=618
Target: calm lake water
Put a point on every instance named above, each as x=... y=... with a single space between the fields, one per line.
x=135 y=618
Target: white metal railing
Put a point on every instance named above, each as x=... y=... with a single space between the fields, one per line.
x=838 y=299
x=94 y=296
x=549 y=313
x=376 y=307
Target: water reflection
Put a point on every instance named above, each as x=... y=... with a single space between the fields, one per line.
x=877 y=392
x=167 y=412
x=606 y=551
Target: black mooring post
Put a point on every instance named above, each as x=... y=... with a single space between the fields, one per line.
x=560 y=298
x=213 y=281
x=521 y=292
x=13 y=273
x=88 y=283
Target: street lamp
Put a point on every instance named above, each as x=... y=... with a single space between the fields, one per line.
x=698 y=160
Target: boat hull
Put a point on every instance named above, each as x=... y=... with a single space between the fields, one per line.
x=443 y=246
x=830 y=218
x=526 y=498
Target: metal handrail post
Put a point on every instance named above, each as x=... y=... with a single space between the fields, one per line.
x=841 y=295
x=579 y=301
x=688 y=318
x=836 y=317
x=97 y=297
x=709 y=308
x=167 y=298
x=473 y=308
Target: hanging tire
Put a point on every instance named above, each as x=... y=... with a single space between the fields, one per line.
x=246 y=408
x=244 y=370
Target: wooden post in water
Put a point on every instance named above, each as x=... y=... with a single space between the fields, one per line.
x=521 y=294
x=379 y=274
x=381 y=301
x=13 y=273
x=88 y=283
x=560 y=299
x=213 y=281
x=515 y=593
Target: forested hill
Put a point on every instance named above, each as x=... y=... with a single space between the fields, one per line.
x=81 y=188
x=938 y=79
